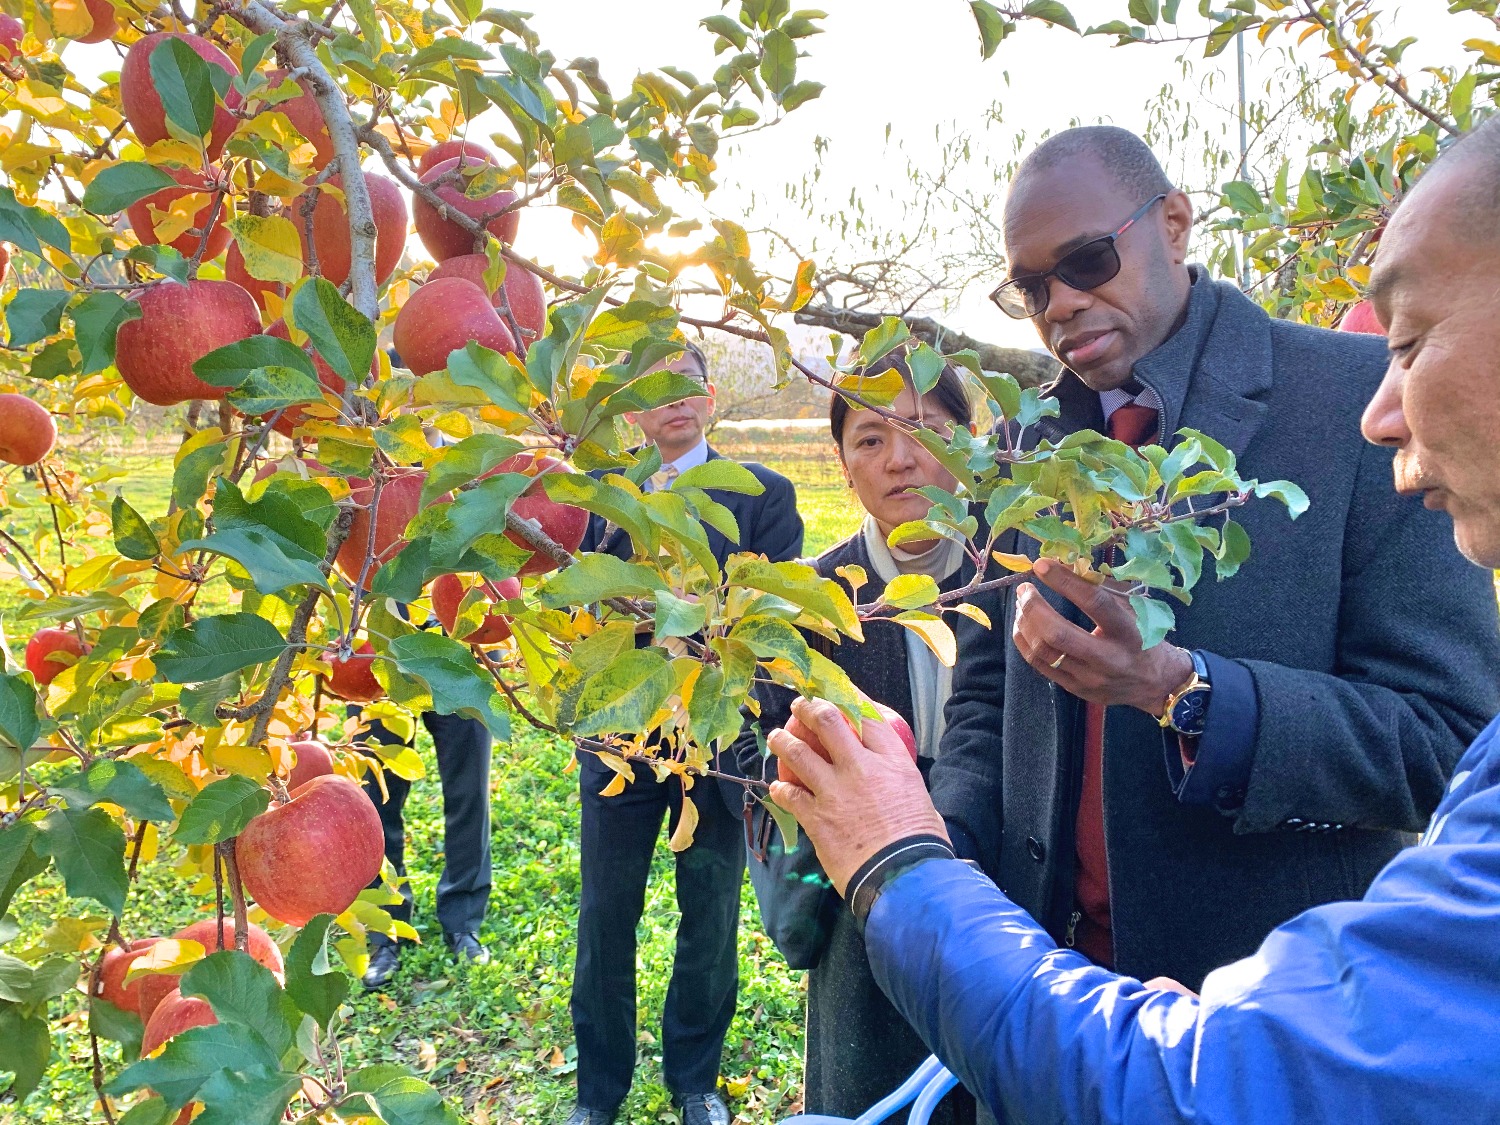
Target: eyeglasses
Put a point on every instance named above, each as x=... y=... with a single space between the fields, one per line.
x=1087 y=267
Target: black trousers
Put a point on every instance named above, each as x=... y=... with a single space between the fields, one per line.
x=618 y=839
x=463 y=759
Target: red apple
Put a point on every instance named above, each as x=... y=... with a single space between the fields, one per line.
x=797 y=729
x=293 y=416
x=142 y=105
x=235 y=271
x=451 y=150
x=179 y=325
x=564 y=524
x=354 y=679
x=522 y=288
x=12 y=31
x=441 y=317
x=331 y=230
x=41 y=647
x=186 y=243
x=155 y=987
x=313 y=854
x=442 y=236
x=449 y=590
x=400 y=500
x=174 y=1015
x=4 y=263
x=313 y=760
x=1361 y=318
x=304 y=114
x=103 y=14
x=111 y=984
x=27 y=431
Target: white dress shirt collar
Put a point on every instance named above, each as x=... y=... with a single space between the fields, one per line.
x=692 y=458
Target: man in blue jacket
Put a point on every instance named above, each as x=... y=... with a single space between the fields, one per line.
x=1378 y=1010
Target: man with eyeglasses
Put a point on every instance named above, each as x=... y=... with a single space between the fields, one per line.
x=1161 y=811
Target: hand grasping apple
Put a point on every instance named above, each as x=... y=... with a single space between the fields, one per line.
x=853 y=794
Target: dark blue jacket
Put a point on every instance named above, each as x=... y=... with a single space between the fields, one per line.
x=1385 y=1010
x=1354 y=658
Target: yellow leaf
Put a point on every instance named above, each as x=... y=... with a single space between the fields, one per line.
x=934 y=633
x=882 y=389
x=170 y=955
x=802 y=287
x=615 y=787
x=682 y=835
x=973 y=613
x=1018 y=564
x=71 y=19
x=18 y=157
x=272 y=250
x=247 y=761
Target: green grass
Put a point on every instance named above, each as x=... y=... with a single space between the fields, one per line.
x=496 y=1038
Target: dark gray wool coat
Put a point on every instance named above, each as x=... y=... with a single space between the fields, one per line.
x=1371 y=643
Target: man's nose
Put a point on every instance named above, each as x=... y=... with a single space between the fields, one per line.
x=1384 y=421
x=1063 y=301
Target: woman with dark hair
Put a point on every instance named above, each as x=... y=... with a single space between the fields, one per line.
x=858 y=1048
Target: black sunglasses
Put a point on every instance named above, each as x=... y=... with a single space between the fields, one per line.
x=1087 y=267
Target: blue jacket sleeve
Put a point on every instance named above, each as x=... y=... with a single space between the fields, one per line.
x=1226 y=748
x=1376 y=1011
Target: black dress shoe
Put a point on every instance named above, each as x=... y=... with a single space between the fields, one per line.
x=466 y=946
x=583 y=1116
x=383 y=965
x=703 y=1109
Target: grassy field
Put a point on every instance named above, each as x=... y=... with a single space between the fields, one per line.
x=498 y=1038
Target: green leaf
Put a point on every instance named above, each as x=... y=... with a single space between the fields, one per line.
x=232 y=364
x=492 y=374
x=313 y=984
x=295 y=509
x=926 y=365
x=29 y=227
x=728 y=27
x=398 y=1097
x=1154 y=618
x=221 y=810
x=678 y=617
x=1244 y=197
x=28 y=1046
x=62 y=607
x=1234 y=549
x=215 y=646
x=623 y=697
x=191 y=1058
x=1288 y=493
x=182 y=80
x=21 y=983
x=459 y=464
x=993 y=26
x=118 y=782
x=881 y=339
x=778 y=63
x=19 y=861
x=109 y=1022
x=89 y=850
x=1146 y=11
x=721 y=473
x=594 y=578
x=455 y=526
x=622 y=328
x=272 y=561
x=96 y=320
x=800 y=93
x=448 y=47
x=35 y=314
x=455 y=681
x=199 y=702
x=241 y=990
x=19 y=723
x=259 y=1097
x=771 y=638
x=1051 y=11
x=133 y=535
x=268 y=389
x=801 y=585
x=120 y=185
x=342 y=335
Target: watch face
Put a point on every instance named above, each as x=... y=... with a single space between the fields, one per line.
x=1190 y=713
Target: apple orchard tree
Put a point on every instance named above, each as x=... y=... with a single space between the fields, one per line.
x=223 y=222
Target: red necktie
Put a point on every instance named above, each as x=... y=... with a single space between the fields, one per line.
x=1135 y=425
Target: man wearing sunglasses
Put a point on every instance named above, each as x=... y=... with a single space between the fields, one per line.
x=1161 y=811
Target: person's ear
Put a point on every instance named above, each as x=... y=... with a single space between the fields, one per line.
x=631 y=416
x=843 y=468
x=1177 y=213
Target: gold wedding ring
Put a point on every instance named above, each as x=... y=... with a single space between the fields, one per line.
x=1056 y=664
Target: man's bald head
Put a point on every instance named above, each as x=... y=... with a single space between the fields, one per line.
x=1119 y=152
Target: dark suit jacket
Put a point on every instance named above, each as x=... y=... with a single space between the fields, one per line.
x=769 y=523
x=1370 y=644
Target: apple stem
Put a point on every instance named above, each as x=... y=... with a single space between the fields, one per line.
x=237 y=892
